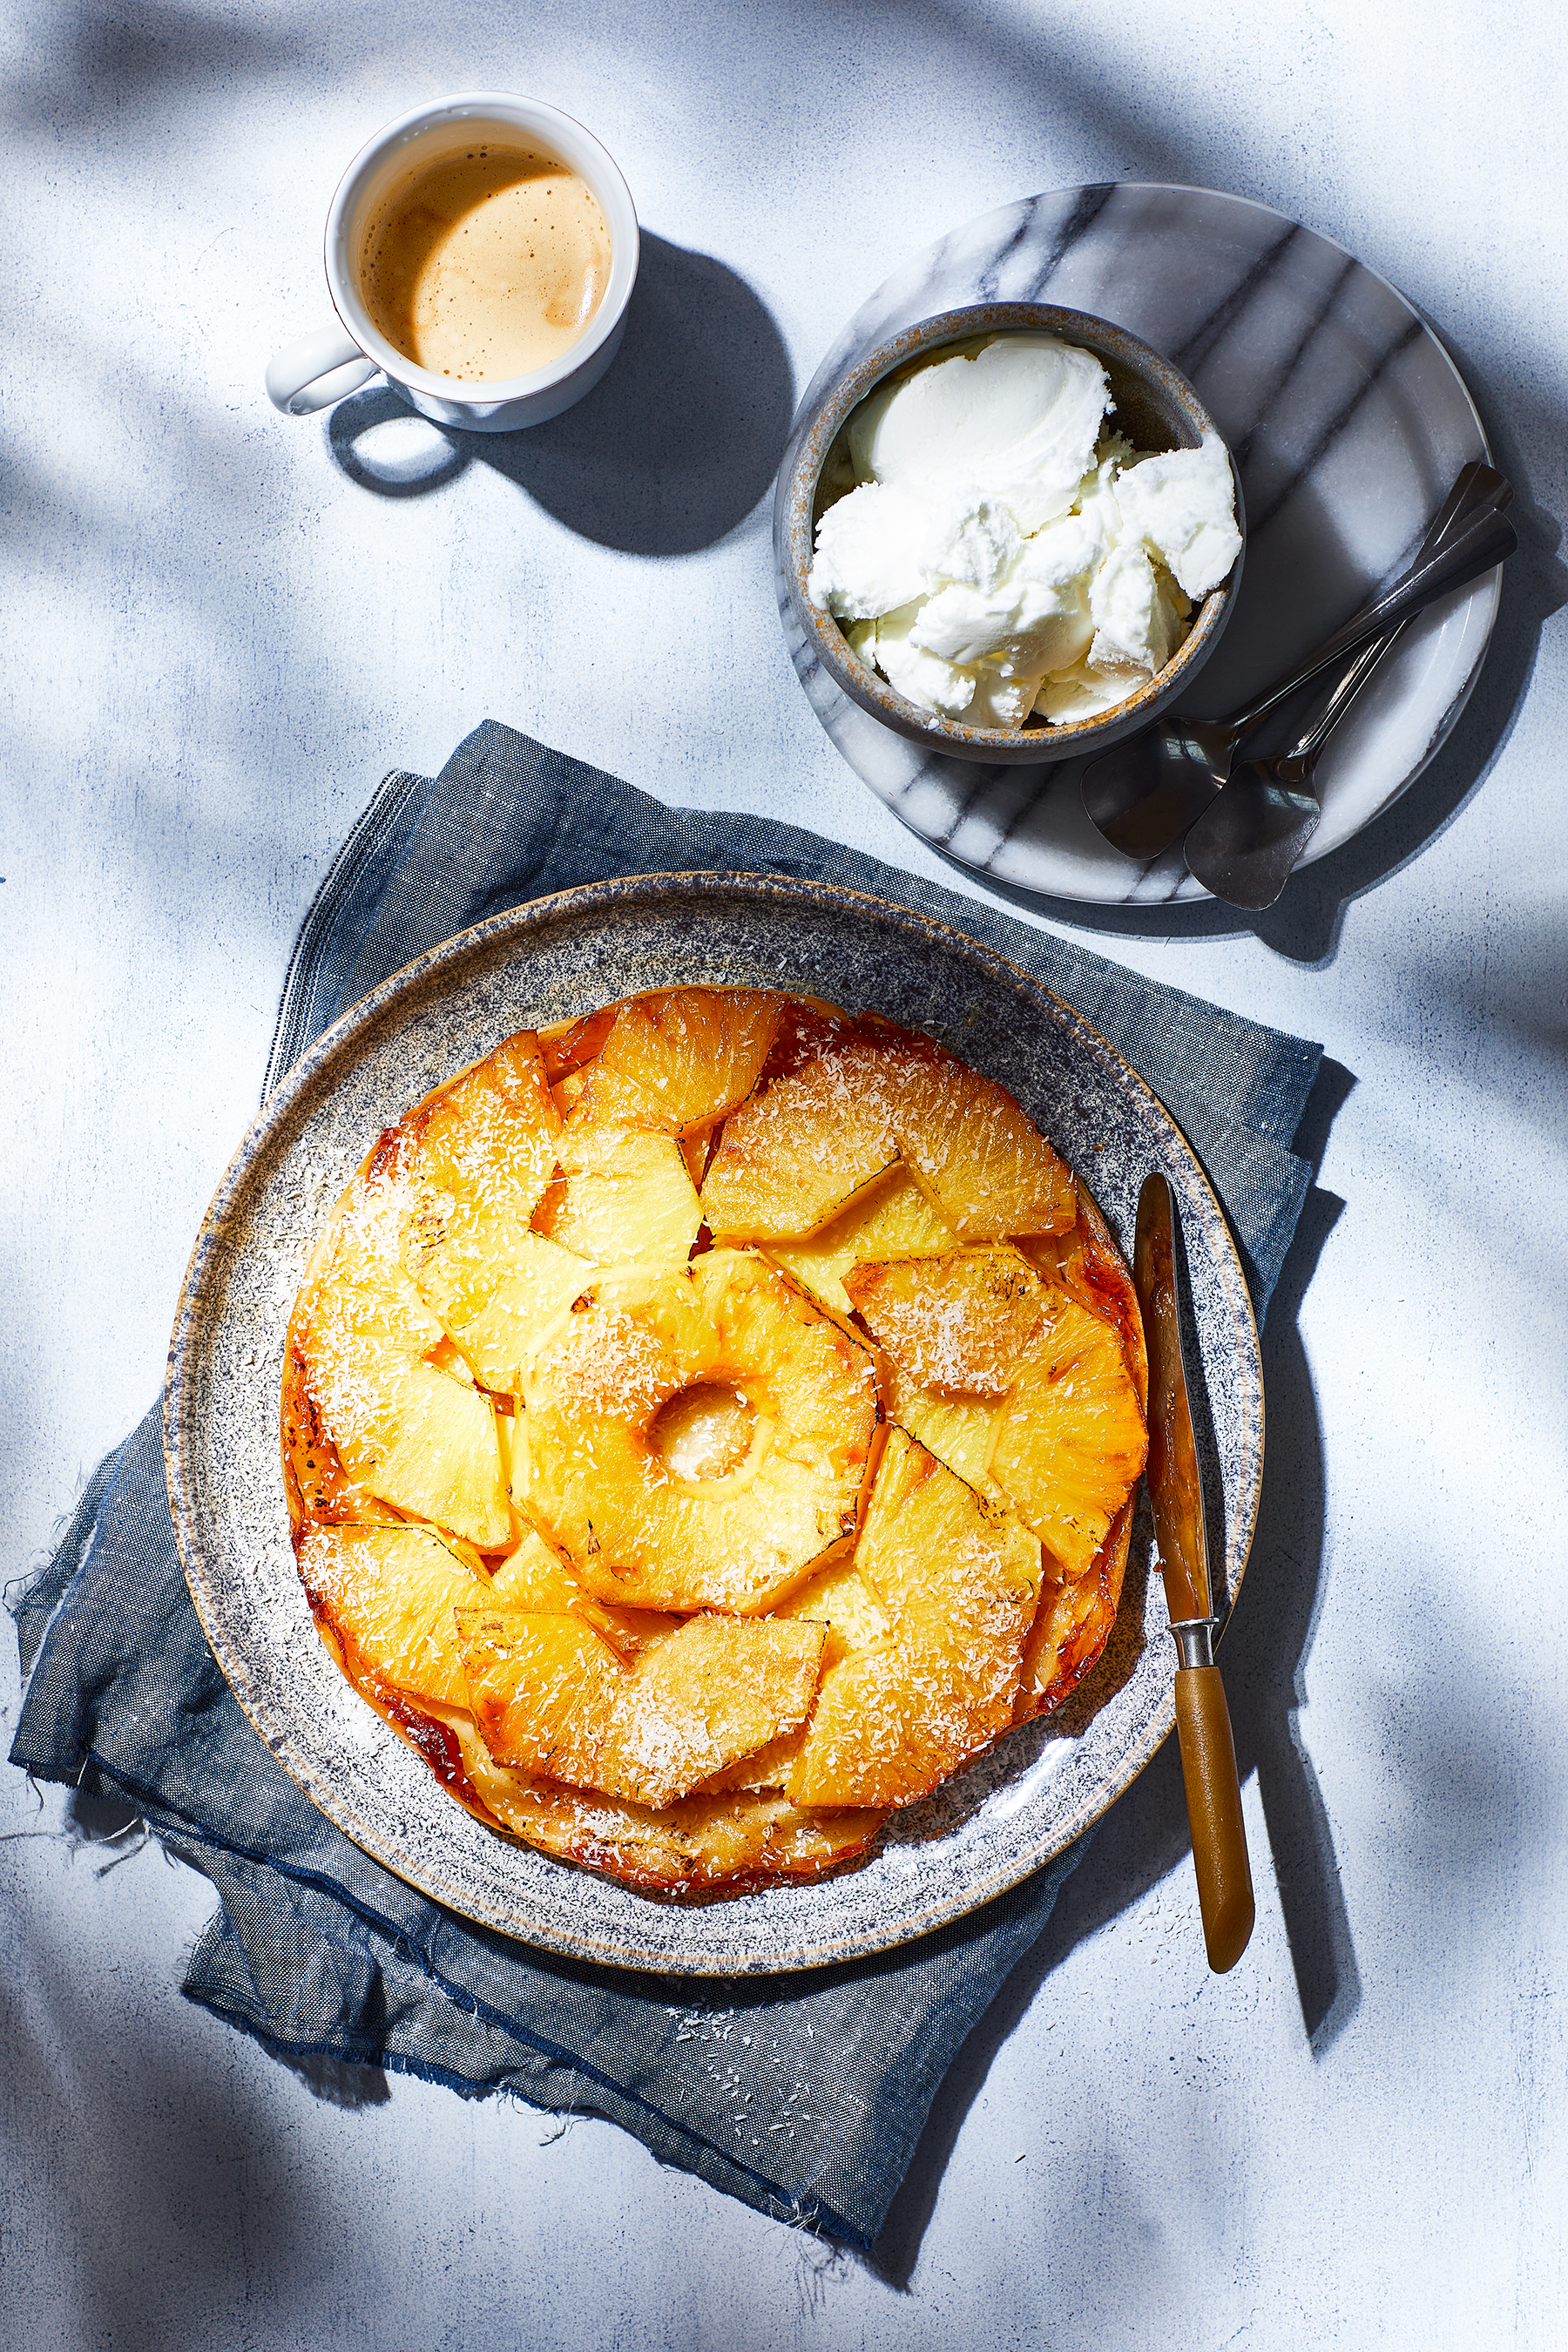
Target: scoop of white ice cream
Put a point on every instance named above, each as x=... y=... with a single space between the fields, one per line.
x=1182 y=505
x=921 y=678
x=869 y=553
x=1037 y=616
x=1136 y=617
x=1019 y=419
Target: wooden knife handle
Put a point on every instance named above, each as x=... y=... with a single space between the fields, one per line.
x=1213 y=1810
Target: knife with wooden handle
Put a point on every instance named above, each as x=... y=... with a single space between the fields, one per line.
x=1202 y=1719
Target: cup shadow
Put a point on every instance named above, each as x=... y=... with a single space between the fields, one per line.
x=669 y=452
x=1144 y=1836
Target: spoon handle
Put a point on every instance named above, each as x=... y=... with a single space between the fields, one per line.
x=1476 y=502
x=1345 y=694
x=1477 y=486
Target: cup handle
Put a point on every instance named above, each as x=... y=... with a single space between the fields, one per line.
x=316 y=369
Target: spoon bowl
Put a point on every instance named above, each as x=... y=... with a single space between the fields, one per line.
x=1145 y=793
x=1246 y=844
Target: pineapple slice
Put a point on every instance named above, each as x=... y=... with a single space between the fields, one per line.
x=960 y=1584
x=1086 y=1263
x=632 y=1529
x=770 y=1767
x=1073 y=1625
x=960 y=1431
x=986 y=1168
x=550 y=1697
x=840 y=1599
x=891 y=1219
x=1072 y=1440
x=316 y=1485
x=531 y=1578
x=625 y=1197
x=960 y=1322
x=476 y=1157
x=679 y=1060
x=719 y=1689
x=800 y=1149
x=405 y=1432
x=543 y=1689
x=431 y=1452
x=798 y=1152
x=489 y=1135
x=567 y=1047
x=389 y=1593
x=539 y=1283
x=699 y=1845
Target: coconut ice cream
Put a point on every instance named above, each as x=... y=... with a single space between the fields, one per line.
x=997 y=551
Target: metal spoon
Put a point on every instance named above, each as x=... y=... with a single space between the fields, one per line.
x=1245 y=844
x=1145 y=793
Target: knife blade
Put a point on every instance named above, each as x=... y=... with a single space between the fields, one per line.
x=1176 y=1490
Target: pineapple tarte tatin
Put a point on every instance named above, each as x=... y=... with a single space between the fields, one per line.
x=708 y=1425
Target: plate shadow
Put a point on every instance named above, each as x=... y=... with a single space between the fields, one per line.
x=1144 y=1836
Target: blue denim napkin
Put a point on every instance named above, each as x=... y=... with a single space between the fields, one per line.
x=802 y=2093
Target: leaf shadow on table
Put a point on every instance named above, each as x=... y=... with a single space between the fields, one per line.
x=1144 y=1837
x=98 y=56
x=669 y=452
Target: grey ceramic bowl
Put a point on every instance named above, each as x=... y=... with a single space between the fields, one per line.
x=1156 y=408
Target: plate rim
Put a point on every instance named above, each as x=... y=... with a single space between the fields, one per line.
x=211 y=1252
x=1486 y=591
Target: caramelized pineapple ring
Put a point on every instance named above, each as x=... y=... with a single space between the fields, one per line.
x=680 y=1059
x=636 y=1532
x=958 y=1584
x=551 y=1697
x=800 y=1151
x=406 y=1430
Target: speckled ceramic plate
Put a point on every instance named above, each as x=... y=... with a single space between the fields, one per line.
x=1347 y=421
x=551 y=961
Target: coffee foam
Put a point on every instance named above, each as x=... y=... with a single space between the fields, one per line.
x=485 y=263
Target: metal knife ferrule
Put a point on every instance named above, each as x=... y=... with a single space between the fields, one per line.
x=1194 y=1638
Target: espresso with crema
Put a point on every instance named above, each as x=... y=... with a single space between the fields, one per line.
x=487 y=263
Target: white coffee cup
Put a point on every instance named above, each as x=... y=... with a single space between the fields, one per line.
x=330 y=362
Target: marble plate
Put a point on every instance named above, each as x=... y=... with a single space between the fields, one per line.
x=551 y=961
x=1349 y=422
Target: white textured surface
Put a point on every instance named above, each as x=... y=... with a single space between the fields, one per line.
x=215 y=642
